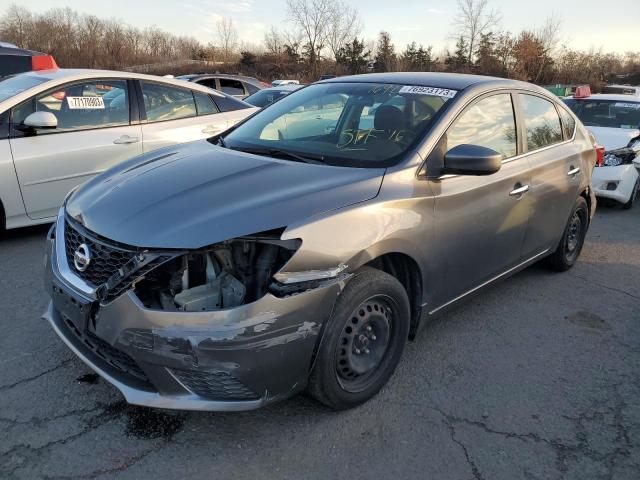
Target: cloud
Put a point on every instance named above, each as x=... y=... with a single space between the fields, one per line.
x=237 y=6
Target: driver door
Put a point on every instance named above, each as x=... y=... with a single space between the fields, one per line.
x=480 y=221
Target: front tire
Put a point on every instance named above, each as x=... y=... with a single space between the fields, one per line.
x=363 y=340
x=572 y=240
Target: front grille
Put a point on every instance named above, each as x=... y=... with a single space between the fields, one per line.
x=215 y=385
x=110 y=354
x=106 y=257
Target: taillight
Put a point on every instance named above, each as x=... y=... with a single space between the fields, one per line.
x=265 y=85
x=599 y=155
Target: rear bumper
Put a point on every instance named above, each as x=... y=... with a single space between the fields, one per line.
x=236 y=359
x=623 y=177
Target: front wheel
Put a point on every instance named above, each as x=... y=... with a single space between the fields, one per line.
x=363 y=340
x=572 y=240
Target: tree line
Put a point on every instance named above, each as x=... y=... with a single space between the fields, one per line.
x=322 y=37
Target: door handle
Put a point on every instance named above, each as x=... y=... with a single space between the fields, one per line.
x=211 y=130
x=573 y=171
x=124 y=139
x=519 y=190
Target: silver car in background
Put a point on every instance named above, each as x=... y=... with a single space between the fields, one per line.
x=59 y=128
x=302 y=248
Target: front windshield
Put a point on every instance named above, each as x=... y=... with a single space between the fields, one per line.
x=607 y=113
x=345 y=124
x=11 y=86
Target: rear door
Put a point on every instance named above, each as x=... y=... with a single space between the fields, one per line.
x=174 y=114
x=480 y=220
x=555 y=170
x=91 y=136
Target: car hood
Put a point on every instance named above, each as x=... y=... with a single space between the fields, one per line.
x=197 y=194
x=612 y=138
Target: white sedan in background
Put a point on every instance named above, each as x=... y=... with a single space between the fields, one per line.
x=59 y=128
x=614 y=119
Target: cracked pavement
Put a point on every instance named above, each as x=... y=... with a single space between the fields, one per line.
x=534 y=378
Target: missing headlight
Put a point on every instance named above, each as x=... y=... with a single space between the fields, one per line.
x=224 y=275
x=620 y=156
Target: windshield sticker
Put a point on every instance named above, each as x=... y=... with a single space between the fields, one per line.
x=635 y=106
x=437 y=92
x=85 y=103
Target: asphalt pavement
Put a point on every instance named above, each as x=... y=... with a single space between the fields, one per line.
x=535 y=378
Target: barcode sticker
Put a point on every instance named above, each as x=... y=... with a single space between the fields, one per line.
x=438 y=92
x=85 y=103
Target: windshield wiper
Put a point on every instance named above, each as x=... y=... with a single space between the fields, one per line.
x=277 y=153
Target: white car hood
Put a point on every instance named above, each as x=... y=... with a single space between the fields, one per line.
x=612 y=138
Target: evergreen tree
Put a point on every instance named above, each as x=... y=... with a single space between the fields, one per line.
x=385 y=60
x=354 y=56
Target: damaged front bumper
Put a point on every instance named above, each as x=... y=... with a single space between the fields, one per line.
x=235 y=359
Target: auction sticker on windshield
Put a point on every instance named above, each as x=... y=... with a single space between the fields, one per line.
x=78 y=103
x=438 y=92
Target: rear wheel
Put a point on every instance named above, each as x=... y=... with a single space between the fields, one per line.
x=634 y=195
x=363 y=340
x=572 y=241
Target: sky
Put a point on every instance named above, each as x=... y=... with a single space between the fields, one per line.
x=586 y=24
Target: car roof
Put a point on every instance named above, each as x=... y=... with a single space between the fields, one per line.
x=196 y=76
x=283 y=88
x=609 y=96
x=454 y=81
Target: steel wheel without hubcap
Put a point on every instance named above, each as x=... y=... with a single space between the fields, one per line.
x=364 y=343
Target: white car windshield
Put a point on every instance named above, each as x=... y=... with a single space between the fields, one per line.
x=11 y=86
x=344 y=124
x=607 y=113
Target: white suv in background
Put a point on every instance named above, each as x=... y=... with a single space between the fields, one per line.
x=59 y=128
x=614 y=119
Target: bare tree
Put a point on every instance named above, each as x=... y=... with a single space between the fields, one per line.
x=227 y=37
x=312 y=18
x=345 y=25
x=472 y=20
x=274 y=41
x=548 y=35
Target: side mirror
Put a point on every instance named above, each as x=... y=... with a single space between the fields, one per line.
x=471 y=160
x=41 y=121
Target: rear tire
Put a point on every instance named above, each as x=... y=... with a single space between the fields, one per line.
x=363 y=340
x=572 y=240
x=634 y=195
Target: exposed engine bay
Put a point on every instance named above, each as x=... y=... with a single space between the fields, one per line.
x=225 y=275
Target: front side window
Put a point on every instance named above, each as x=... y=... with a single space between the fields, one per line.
x=166 y=102
x=606 y=113
x=231 y=87
x=80 y=106
x=488 y=123
x=541 y=122
x=344 y=124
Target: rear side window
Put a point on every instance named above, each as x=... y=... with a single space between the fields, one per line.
x=204 y=104
x=231 y=87
x=80 y=106
x=568 y=124
x=488 y=123
x=541 y=122
x=208 y=82
x=251 y=88
x=166 y=102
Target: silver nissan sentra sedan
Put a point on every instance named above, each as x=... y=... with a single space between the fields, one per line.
x=302 y=248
